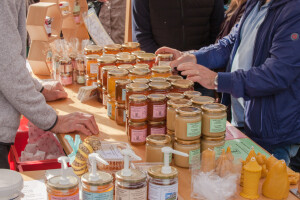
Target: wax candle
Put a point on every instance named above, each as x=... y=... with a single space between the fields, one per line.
x=270 y=162
x=223 y=165
x=229 y=154
x=208 y=160
x=261 y=160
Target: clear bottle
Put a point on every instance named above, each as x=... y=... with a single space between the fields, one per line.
x=76 y=12
x=65 y=71
x=80 y=70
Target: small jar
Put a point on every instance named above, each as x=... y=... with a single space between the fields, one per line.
x=114 y=75
x=192 y=94
x=89 y=81
x=171 y=111
x=160 y=87
x=172 y=135
x=212 y=142
x=141 y=80
x=139 y=73
x=199 y=101
x=130 y=47
x=146 y=58
x=120 y=114
x=214 y=120
x=105 y=61
x=154 y=144
x=66 y=79
x=93 y=49
x=161 y=71
x=80 y=77
x=188 y=123
x=105 y=97
x=157 y=107
x=192 y=148
x=137 y=108
x=131 y=187
x=126 y=59
x=141 y=66
x=182 y=86
x=104 y=74
x=111 y=108
x=55 y=190
x=123 y=54
x=99 y=92
x=100 y=189
x=165 y=59
x=174 y=78
x=136 y=88
x=112 y=49
x=158 y=79
x=80 y=70
x=92 y=65
x=157 y=128
x=65 y=71
x=136 y=53
x=121 y=90
x=125 y=66
x=137 y=133
x=174 y=96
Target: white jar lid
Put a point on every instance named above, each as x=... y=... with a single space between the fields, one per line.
x=11 y=183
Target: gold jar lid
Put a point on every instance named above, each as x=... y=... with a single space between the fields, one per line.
x=184 y=83
x=188 y=111
x=113 y=47
x=176 y=103
x=158 y=79
x=140 y=71
x=185 y=142
x=126 y=58
x=141 y=65
x=131 y=45
x=161 y=69
x=220 y=138
x=160 y=85
x=137 y=87
x=156 y=97
x=137 y=176
x=64 y=61
x=118 y=72
x=146 y=56
x=54 y=183
x=120 y=105
x=170 y=133
x=141 y=80
x=136 y=123
x=92 y=57
x=125 y=66
x=105 y=178
x=158 y=140
x=174 y=78
x=123 y=81
x=136 y=53
x=92 y=48
x=106 y=60
x=138 y=97
x=202 y=100
x=165 y=55
x=173 y=96
x=155 y=172
x=192 y=94
x=213 y=108
x=108 y=67
x=156 y=123
x=123 y=54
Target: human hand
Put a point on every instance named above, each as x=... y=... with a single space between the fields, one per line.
x=184 y=59
x=53 y=91
x=77 y=121
x=176 y=53
x=198 y=73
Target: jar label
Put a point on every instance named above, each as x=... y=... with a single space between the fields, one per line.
x=138 y=135
x=93 y=68
x=167 y=63
x=163 y=192
x=80 y=79
x=138 y=112
x=109 y=109
x=194 y=156
x=124 y=116
x=159 y=111
x=123 y=94
x=193 y=129
x=73 y=197
x=66 y=80
x=158 y=131
x=131 y=194
x=217 y=125
x=97 y=196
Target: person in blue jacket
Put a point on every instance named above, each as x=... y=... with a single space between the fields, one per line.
x=262 y=60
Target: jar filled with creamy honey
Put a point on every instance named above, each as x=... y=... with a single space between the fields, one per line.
x=192 y=148
x=171 y=111
x=201 y=100
x=212 y=142
x=154 y=144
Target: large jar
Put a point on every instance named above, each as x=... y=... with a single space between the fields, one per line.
x=126 y=59
x=136 y=88
x=137 y=133
x=160 y=87
x=199 y=101
x=188 y=123
x=104 y=73
x=55 y=190
x=158 y=79
x=121 y=90
x=141 y=80
x=93 y=49
x=139 y=73
x=174 y=96
x=171 y=111
x=214 y=120
x=130 y=47
x=157 y=107
x=192 y=148
x=141 y=66
x=111 y=108
x=154 y=144
x=192 y=94
x=138 y=108
x=182 y=86
x=174 y=78
x=114 y=75
x=212 y=142
x=120 y=114
x=146 y=58
x=125 y=66
x=161 y=71
x=165 y=59
x=156 y=128
x=105 y=61
x=92 y=65
x=112 y=49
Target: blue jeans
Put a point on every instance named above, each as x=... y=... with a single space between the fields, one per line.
x=284 y=152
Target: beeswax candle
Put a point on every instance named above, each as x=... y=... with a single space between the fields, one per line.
x=208 y=160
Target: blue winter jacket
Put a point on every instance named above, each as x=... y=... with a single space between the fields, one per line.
x=271 y=88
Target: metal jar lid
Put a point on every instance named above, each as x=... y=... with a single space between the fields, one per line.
x=202 y=100
x=123 y=54
x=125 y=66
x=140 y=71
x=92 y=48
x=106 y=60
x=146 y=56
x=158 y=140
x=158 y=79
x=188 y=111
x=176 y=103
x=108 y=67
x=157 y=97
x=184 y=83
x=141 y=80
x=92 y=57
x=137 y=176
x=141 y=65
x=214 y=108
x=113 y=47
x=161 y=69
x=105 y=178
x=53 y=183
x=173 y=96
x=136 y=53
x=138 y=97
x=185 y=142
x=118 y=72
x=165 y=55
x=160 y=85
x=174 y=78
x=126 y=58
x=155 y=172
x=137 y=87
x=131 y=45
x=192 y=94
x=123 y=81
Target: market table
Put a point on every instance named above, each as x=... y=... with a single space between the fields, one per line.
x=110 y=131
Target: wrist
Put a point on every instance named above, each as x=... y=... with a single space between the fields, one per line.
x=216 y=82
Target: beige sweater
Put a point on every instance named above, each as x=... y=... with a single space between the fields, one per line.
x=19 y=92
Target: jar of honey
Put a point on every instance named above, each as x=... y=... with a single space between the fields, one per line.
x=138 y=108
x=114 y=75
x=154 y=144
x=123 y=54
x=112 y=49
x=56 y=190
x=174 y=96
x=104 y=73
x=80 y=70
x=188 y=123
x=93 y=49
x=192 y=148
x=120 y=114
x=99 y=92
x=171 y=111
x=165 y=59
x=161 y=71
x=126 y=59
x=130 y=47
x=141 y=66
x=111 y=108
x=89 y=81
x=182 y=86
x=157 y=128
x=136 y=53
x=141 y=80
x=214 y=120
x=105 y=97
x=192 y=94
x=160 y=87
x=212 y=142
x=92 y=65
x=105 y=61
x=199 y=101
x=121 y=90
x=157 y=107
x=174 y=78
x=137 y=132
x=66 y=79
x=80 y=77
x=125 y=66
x=139 y=73
x=65 y=66
x=146 y=58
x=158 y=79
x=172 y=135
x=136 y=88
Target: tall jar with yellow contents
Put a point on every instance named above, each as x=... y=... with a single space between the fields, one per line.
x=112 y=49
x=136 y=88
x=126 y=59
x=182 y=86
x=165 y=59
x=192 y=148
x=201 y=100
x=160 y=87
x=214 y=120
x=104 y=74
x=171 y=111
x=154 y=144
x=105 y=61
x=161 y=71
x=93 y=49
x=130 y=47
x=92 y=65
x=139 y=73
x=114 y=75
x=146 y=58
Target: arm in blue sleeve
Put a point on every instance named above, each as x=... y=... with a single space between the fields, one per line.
x=141 y=26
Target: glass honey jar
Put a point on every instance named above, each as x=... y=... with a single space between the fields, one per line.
x=138 y=108
x=126 y=59
x=104 y=74
x=160 y=87
x=157 y=128
x=139 y=73
x=89 y=81
x=114 y=75
x=174 y=78
x=141 y=66
x=130 y=47
x=80 y=70
x=172 y=135
x=174 y=96
x=120 y=114
x=99 y=92
x=199 y=101
x=105 y=61
x=146 y=58
x=136 y=53
x=111 y=108
x=158 y=79
x=165 y=59
x=112 y=49
x=125 y=66
x=141 y=80
x=93 y=49
x=136 y=88
x=192 y=148
x=212 y=142
x=161 y=71
x=69 y=191
x=157 y=107
x=154 y=144
x=121 y=90
x=182 y=86
x=137 y=132
x=171 y=111
x=105 y=97
x=65 y=71
x=92 y=65
x=192 y=94
x=123 y=54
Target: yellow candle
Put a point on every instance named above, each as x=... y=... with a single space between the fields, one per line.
x=223 y=164
x=229 y=154
x=208 y=160
x=270 y=162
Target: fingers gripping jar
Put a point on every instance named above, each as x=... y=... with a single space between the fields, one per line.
x=157 y=107
x=165 y=59
x=138 y=108
x=171 y=111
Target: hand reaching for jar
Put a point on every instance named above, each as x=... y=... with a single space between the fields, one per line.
x=53 y=91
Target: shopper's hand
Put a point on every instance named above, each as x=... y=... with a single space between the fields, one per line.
x=183 y=59
x=198 y=73
x=82 y=122
x=176 y=53
x=53 y=91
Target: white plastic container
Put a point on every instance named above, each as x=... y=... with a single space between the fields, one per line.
x=11 y=184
